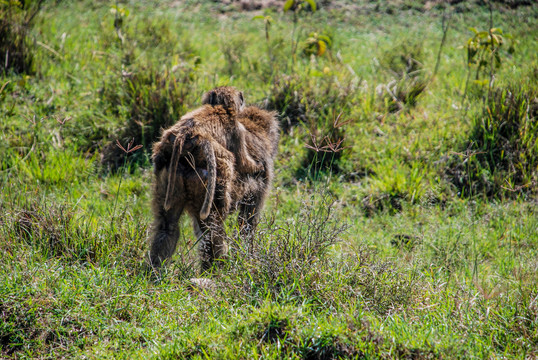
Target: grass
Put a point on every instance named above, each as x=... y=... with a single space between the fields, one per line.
x=398 y=246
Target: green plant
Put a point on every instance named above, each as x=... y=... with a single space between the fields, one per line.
x=147 y=101
x=287 y=98
x=297 y=6
x=316 y=44
x=326 y=145
x=120 y=14
x=500 y=157
x=16 y=18
x=404 y=65
x=484 y=54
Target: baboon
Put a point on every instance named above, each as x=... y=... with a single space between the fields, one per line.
x=261 y=139
x=214 y=160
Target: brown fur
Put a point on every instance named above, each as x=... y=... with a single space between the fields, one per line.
x=261 y=139
x=213 y=161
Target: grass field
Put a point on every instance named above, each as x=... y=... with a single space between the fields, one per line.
x=411 y=233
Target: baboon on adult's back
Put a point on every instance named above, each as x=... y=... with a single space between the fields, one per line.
x=209 y=163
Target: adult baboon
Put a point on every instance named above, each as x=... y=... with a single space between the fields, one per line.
x=211 y=162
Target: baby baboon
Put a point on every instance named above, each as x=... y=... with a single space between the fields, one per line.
x=211 y=162
x=231 y=100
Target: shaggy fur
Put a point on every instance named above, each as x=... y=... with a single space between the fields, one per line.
x=213 y=161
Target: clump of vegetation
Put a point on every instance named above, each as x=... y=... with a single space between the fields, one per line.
x=316 y=44
x=485 y=57
x=326 y=145
x=148 y=101
x=287 y=98
x=16 y=18
x=500 y=158
x=297 y=260
x=404 y=64
x=321 y=103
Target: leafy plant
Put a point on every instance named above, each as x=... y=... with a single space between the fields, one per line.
x=297 y=6
x=120 y=14
x=316 y=44
x=483 y=51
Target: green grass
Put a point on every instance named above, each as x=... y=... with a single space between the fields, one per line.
x=379 y=255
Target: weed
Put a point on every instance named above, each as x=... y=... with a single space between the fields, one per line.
x=404 y=64
x=321 y=103
x=296 y=261
x=325 y=146
x=499 y=158
x=484 y=52
x=287 y=98
x=316 y=44
x=16 y=19
x=298 y=8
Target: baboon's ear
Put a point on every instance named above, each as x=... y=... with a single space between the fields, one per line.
x=172 y=138
x=242 y=100
x=209 y=98
x=213 y=98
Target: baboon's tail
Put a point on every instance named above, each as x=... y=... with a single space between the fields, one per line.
x=172 y=171
x=209 y=153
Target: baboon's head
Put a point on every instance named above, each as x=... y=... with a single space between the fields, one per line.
x=226 y=96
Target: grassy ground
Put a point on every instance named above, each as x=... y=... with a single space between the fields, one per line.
x=419 y=239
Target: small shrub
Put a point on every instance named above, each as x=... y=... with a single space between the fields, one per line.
x=295 y=262
x=316 y=44
x=15 y=21
x=501 y=155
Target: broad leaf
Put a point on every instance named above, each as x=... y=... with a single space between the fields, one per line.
x=288 y=5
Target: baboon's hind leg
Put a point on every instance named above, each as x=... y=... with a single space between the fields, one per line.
x=212 y=240
x=249 y=214
x=165 y=228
